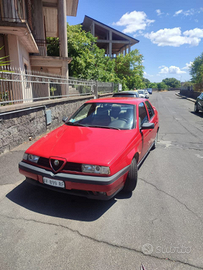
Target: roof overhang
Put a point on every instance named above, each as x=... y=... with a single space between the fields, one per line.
x=119 y=40
x=71 y=6
x=22 y=30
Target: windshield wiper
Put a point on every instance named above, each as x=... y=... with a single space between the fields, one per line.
x=75 y=124
x=96 y=126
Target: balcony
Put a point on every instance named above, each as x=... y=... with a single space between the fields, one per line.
x=14 y=20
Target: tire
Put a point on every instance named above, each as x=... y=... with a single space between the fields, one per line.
x=131 y=180
x=155 y=141
x=196 y=108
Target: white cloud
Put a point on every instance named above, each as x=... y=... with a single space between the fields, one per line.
x=171 y=70
x=134 y=21
x=196 y=32
x=188 y=66
x=189 y=12
x=159 y=13
x=173 y=37
x=178 y=12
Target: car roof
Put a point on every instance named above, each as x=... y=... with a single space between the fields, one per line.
x=126 y=92
x=125 y=100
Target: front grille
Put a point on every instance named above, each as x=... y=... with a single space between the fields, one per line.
x=44 y=162
x=69 y=166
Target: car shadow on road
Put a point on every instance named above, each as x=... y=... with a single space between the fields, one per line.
x=56 y=204
x=200 y=114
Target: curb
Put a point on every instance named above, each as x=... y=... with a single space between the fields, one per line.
x=190 y=99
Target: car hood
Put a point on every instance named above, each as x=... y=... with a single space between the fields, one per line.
x=98 y=146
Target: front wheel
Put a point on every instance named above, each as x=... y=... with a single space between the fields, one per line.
x=196 y=108
x=131 y=180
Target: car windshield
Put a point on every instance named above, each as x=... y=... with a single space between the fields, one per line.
x=140 y=91
x=105 y=115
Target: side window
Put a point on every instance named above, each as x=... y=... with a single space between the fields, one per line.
x=143 y=118
x=150 y=109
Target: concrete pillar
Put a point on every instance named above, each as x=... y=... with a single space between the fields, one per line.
x=110 y=43
x=15 y=55
x=129 y=48
x=126 y=50
x=63 y=50
x=62 y=25
x=93 y=29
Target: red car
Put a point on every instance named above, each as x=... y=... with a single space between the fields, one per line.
x=97 y=151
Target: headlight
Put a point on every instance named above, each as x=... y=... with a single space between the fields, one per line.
x=86 y=168
x=31 y=158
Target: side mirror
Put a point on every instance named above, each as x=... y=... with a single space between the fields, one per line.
x=65 y=119
x=147 y=126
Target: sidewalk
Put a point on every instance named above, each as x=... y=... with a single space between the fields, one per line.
x=190 y=99
x=9 y=174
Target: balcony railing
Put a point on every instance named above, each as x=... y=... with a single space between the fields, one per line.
x=15 y=11
x=18 y=86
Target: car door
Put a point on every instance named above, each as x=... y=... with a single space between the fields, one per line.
x=152 y=119
x=145 y=133
x=201 y=101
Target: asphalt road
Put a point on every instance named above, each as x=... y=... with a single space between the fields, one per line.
x=159 y=226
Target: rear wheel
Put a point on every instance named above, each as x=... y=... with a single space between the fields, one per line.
x=131 y=180
x=196 y=108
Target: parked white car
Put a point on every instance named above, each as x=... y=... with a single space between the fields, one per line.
x=146 y=93
x=141 y=93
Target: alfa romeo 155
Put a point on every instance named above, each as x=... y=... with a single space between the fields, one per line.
x=97 y=151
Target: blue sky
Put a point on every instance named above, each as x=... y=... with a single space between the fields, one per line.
x=170 y=33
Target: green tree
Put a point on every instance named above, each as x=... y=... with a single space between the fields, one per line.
x=146 y=82
x=52 y=46
x=196 y=72
x=89 y=61
x=188 y=84
x=172 y=82
x=153 y=85
x=129 y=70
x=162 y=86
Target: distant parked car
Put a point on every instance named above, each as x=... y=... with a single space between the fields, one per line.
x=141 y=93
x=199 y=103
x=98 y=150
x=146 y=93
x=126 y=94
x=149 y=90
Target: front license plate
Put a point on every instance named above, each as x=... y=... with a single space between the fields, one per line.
x=54 y=183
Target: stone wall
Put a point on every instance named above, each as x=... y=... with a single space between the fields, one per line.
x=20 y=122
x=189 y=93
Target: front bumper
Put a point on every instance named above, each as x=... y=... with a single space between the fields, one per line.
x=77 y=184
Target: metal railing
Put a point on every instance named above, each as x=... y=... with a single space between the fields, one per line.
x=16 y=86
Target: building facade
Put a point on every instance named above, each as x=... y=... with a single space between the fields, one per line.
x=24 y=27
x=111 y=40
